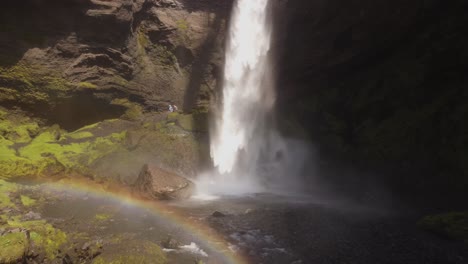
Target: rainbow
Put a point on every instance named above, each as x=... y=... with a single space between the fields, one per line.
x=208 y=236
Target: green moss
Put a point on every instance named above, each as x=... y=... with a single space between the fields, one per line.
x=6 y=153
x=182 y=24
x=193 y=122
x=43 y=235
x=102 y=217
x=8 y=94
x=87 y=85
x=27 y=201
x=33 y=76
x=142 y=252
x=142 y=39
x=172 y=117
x=18 y=129
x=16 y=167
x=80 y=135
x=46 y=156
x=453 y=225
x=31 y=83
x=87 y=127
x=5 y=189
x=165 y=56
x=12 y=247
x=134 y=110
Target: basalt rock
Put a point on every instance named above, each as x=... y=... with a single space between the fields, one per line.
x=156 y=183
x=83 y=54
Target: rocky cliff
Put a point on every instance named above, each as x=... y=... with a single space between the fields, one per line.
x=379 y=86
x=85 y=85
x=69 y=62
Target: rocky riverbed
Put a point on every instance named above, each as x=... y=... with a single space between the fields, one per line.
x=44 y=223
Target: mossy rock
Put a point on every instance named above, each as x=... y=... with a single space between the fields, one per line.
x=134 y=251
x=27 y=201
x=5 y=189
x=17 y=128
x=134 y=111
x=452 y=225
x=13 y=247
x=30 y=84
x=47 y=154
x=87 y=85
x=44 y=237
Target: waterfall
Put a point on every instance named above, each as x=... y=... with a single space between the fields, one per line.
x=245 y=146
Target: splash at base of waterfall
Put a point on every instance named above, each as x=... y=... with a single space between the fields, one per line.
x=248 y=153
x=281 y=173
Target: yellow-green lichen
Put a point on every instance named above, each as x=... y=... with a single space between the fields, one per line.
x=27 y=201
x=87 y=85
x=193 y=122
x=47 y=155
x=32 y=83
x=88 y=127
x=18 y=129
x=80 y=135
x=452 y=225
x=43 y=236
x=142 y=40
x=5 y=189
x=134 y=110
x=182 y=24
x=172 y=117
x=13 y=246
x=142 y=252
x=102 y=217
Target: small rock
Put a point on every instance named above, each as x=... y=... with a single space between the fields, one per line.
x=86 y=246
x=218 y=214
x=170 y=243
x=67 y=259
x=32 y=216
x=248 y=211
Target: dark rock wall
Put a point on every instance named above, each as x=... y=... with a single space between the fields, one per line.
x=380 y=86
x=151 y=52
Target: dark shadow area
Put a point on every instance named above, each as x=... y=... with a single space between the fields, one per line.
x=80 y=110
x=200 y=65
x=380 y=93
x=28 y=24
x=204 y=5
x=39 y=23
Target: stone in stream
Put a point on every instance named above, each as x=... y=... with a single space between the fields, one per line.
x=218 y=214
x=156 y=183
x=171 y=243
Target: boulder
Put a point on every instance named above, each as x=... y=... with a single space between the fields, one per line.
x=156 y=183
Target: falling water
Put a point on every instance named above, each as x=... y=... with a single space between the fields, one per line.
x=246 y=87
x=245 y=146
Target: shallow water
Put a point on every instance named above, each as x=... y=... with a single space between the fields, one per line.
x=265 y=228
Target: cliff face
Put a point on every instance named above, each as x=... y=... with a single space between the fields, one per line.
x=83 y=84
x=68 y=61
x=376 y=84
x=380 y=85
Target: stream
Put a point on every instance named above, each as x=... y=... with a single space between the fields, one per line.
x=262 y=228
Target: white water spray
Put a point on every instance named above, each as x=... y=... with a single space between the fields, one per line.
x=245 y=146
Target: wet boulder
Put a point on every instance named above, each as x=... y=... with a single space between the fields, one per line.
x=156 y=183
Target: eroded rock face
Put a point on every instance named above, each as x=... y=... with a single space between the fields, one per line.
x=149 y=51
x=156 y=183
